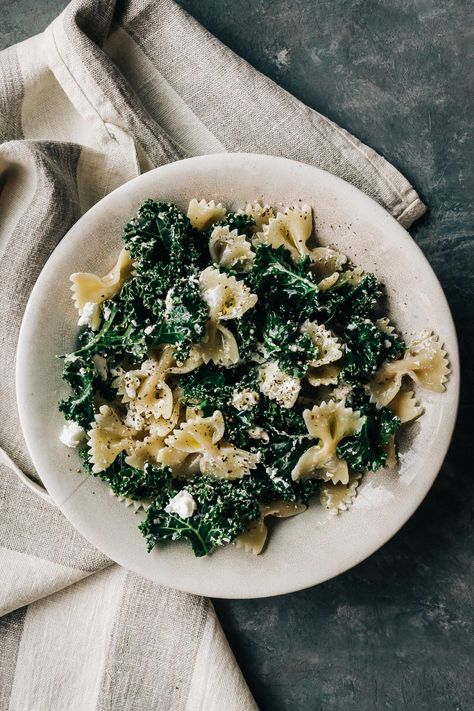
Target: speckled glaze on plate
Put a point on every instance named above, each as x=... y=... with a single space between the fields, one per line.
x=301 y=551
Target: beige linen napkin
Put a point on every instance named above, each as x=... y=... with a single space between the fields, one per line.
x=111 y=89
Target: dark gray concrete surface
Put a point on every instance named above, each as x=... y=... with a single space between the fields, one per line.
x=394 y=633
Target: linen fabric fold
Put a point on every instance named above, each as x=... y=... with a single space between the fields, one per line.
x=109 y=90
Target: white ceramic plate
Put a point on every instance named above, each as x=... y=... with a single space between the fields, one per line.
x=304 y=550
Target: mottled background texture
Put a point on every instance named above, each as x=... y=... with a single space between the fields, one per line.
x=396 y=632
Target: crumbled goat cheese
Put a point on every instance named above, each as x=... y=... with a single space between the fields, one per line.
x=245 y=400
x=259 y=433
x=72 y=435
x=149 y=329
x=278 y=386
x=168 y=304
x=387 y=343
x=90 y=315
x=182 y=504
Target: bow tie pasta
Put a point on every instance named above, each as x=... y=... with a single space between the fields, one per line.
x=231 y=369
x=230 y=250
x=202 y=214
x=90 y=291
x=328 y=424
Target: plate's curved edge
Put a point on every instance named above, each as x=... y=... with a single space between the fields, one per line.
x=454 y=381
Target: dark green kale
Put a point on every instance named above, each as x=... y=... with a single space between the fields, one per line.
x=343 y=301
x=161 y=303
x=246 y=332
x=222 y=512
x=364 y=297
x=281 y=420
x=184 y=322
x=287 y=288
x=206 y=388
x=84 y=380
x=367 y=449
x=366 y=348
x=124 y=480
x=223 y=509
x=235 y=221
x=118 y=335
x=155 y=306
x=161 y=235
x=211 y=388
x=284 y=342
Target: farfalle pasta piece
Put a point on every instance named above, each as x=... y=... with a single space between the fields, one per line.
x=182 y=464
x=326 y=263
x=322 y=370
x=108 y=437
x=228 y=462
x=405 y=406
x=430 y=366
x=226 y=297
x=328 y=345
x=425 y=362
x=203 y=436
x=328 y=282
x=198 y=435
x=261 y=214
x=252 y=540
x=230 y=250
x=145 y=392
x=185 y=447
x=329 y=423
x=219 y=345
x=323 y=375
x=142 y=452
x=203 y=214
x=135 y=504
x=193 y=361
x=338 y=497
x=91 y=289
x=151 y=402
x=290 y=229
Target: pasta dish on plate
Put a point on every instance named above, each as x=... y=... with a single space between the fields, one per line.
x=230 y=369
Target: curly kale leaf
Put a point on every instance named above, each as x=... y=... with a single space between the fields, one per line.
x=367 y=347
x=284 y=342
x=289 y=439
x=364 y=297
x=281 y=420
x=287 y=286
x=137 y=320
x=236 y=221
x=161 y=234
x=124 y=480
x=206 y=388
x=83 y=378
x=343 y=301
x=246 y=332
x=222 y=512
x=184 y=322
x=367 y=449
